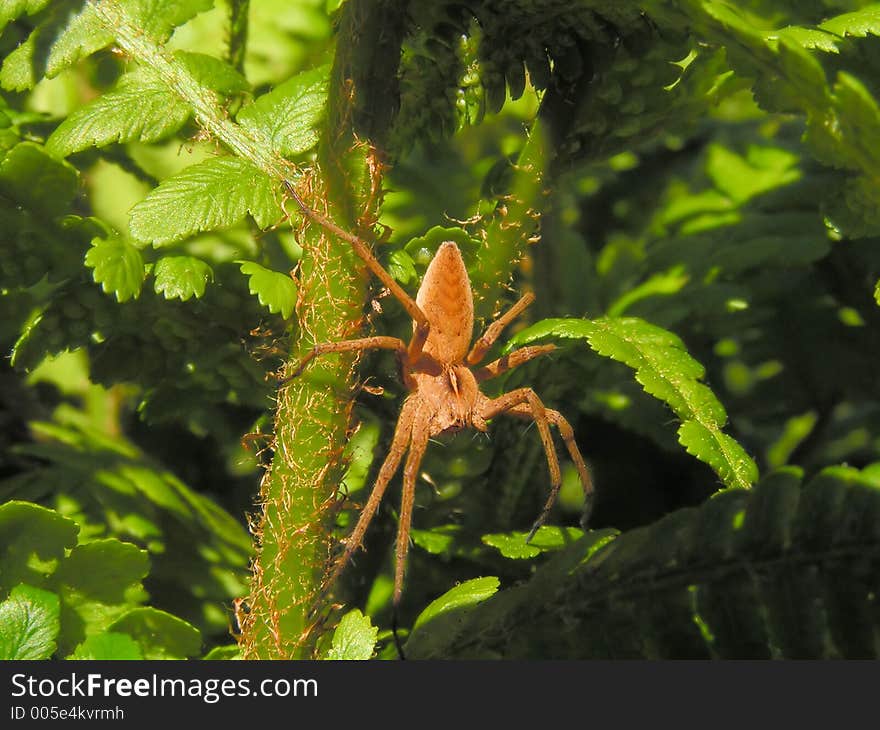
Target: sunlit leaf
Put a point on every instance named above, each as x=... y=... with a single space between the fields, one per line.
x=141 y=107
x=287 y=117
x=212 y=194
x=276 y=291
x=29 y=623
x=354 y=637
x=665 y=370
x=181 y=277
x=117 y=266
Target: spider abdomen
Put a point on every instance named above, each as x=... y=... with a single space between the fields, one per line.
x=446 y=299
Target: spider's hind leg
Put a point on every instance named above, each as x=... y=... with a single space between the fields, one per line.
x=418 y=445
x=524 y=403
x=399 y=443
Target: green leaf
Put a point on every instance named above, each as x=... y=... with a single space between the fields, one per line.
x=402 y=268
x=443 y=618
x=877 y=293
x=811 y=38
x=724 y=454
x=803 y=72
x=464 y=595
x=29 y=624
x=140 y=108
x=742 y=179
x=423 y=248
x=663 y=284
x=354 y=638
x=37 y=181
x=181 y=277
x=82 y=34
x=860 y=23
x=108 y=645
x=547 y=538
x=198 y=552
x=439 y=540
x=34 y=541
x=859 y=120
x=213 y=72
x=73 y=30
x=287 y=118
x=159 y=634
x=212 y=194
x=159 y=18
x=785 y=570
x=107 y=571
x=665 y=370
x=12 y=9
x=229 y=652
x=70 y=31
x=276 y=291
x=98 y=582
x=117 y=267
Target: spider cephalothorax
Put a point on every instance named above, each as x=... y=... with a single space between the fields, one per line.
x=440 y=373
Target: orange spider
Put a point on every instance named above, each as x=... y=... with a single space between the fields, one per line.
x=444 y=393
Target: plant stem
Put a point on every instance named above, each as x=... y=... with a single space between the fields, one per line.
x=238 y=31
x=298 y=494
x=208 y=113
x=515 y=219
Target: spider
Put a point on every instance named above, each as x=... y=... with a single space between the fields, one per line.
x=439 y=368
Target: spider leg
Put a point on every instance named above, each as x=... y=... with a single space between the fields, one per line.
x=399 y=444
x=362 y=249
x=567 y=433
x=511 y=360
x=524 y=403
x=363 y=343
x=528 y=403
x=418 y=445
x=493 y=331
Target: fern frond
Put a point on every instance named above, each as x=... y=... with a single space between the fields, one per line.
x=666 y=371
x=781 y=571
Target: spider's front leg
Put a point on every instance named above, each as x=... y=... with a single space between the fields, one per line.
x=362 y=249
x=493 y=331
x=524 y=403
x=378 y=342
x=511 y=360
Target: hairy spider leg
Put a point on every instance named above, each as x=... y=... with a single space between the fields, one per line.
x=362 y=249
x=364 y=343
x=567 y=433
x=524 y=403
x=418 y=445
x=399 y=443
x=511 y=360
x=527 y=397
x=493 y=331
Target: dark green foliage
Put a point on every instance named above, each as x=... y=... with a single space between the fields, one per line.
x=701 y=185
x=785 y=572
x=72 y=599
x=198 y=552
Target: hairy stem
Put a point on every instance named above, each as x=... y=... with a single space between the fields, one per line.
x=238 y=31
x=313 y=417
x=515 y=219
x=298 y=494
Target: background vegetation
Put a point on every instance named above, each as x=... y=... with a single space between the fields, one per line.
x=691 y=189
